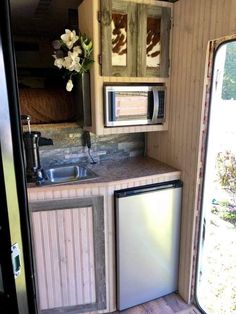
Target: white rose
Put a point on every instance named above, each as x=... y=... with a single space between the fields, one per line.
x=69 y=38
x=72 y=62
x=74 y=56
x=77 y=67
x=69 y=85
x=68 y=63
x=59 y=62
x=77 y=50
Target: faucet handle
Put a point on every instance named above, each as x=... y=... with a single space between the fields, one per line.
x=40 y=176
x=26 y=120
x=25 y=117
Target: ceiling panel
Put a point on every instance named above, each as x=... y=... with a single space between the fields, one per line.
x=43 y=17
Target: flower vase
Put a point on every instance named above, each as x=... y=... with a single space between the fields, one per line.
x=83 y=99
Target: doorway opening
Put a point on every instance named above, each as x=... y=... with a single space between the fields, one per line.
x=216 y=274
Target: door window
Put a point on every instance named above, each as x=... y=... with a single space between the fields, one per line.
x=216 y=279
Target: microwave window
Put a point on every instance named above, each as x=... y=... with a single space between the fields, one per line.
x=131 y=105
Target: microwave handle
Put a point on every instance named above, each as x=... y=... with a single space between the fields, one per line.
x=155 y=105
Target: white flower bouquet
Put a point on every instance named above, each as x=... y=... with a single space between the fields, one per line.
x=72 y=53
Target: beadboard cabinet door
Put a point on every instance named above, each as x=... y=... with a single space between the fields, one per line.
x=69 y=254
x=135 y=39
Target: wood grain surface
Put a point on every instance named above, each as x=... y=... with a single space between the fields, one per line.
x=196 y=22
x=69 y=254
x=170 y=304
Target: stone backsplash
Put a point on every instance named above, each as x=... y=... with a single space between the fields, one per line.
x=67 y=145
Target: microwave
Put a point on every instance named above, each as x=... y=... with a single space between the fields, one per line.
x=134 y=105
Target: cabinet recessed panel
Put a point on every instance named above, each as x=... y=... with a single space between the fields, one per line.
x=153 y=41
x=69 y=254
x=64 y=257
x=119 y=39
x=153 y=45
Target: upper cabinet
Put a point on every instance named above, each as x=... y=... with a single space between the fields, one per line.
x=131 y=45
x=135 y=39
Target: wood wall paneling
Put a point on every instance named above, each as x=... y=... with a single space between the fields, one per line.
x=196 y=22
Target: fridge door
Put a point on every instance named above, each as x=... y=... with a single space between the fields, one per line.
x=148 y=228
x=16 y=275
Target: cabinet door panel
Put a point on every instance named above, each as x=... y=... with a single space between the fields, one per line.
x=119 y=38
x=68 y=241
x=119 y=26
x=153 y=41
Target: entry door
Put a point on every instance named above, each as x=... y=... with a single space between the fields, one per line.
x=16 y=284
x=8 y=298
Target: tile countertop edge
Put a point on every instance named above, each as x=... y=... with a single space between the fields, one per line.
x=110 y=174
x=163 y=177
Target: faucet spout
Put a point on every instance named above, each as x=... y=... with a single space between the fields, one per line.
x=43 y=141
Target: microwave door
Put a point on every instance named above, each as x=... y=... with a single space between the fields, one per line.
x=123 y=107
x=154 y=118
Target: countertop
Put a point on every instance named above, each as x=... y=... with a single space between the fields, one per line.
x=127 y=169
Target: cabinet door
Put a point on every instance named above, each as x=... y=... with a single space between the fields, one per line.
x=69 y=254
x=119 y=38
x=153 y=40
x=135 y=39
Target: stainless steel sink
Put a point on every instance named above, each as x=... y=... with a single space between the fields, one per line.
x=65 y=174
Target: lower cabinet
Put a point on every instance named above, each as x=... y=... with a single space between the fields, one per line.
x=69 y=254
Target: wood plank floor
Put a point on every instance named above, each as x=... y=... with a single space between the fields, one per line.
x=170 y=304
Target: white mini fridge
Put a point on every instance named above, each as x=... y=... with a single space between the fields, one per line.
x=147 y=242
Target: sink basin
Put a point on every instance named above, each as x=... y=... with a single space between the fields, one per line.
x=65 y=174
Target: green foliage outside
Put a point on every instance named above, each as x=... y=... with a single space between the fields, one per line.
x=225 y=211
x=226 y=171
x=226 y=177
x=229 y=80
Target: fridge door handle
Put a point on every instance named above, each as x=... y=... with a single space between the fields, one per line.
x=148 y=188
